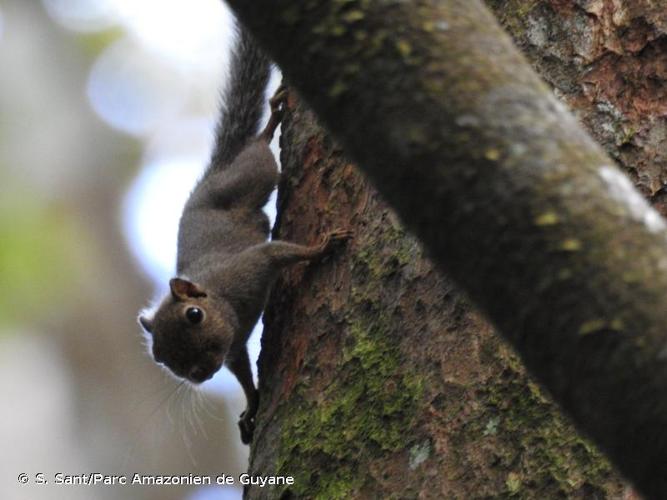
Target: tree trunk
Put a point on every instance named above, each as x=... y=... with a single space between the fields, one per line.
x=377 y=378
x=508 y=195
x=608 y=61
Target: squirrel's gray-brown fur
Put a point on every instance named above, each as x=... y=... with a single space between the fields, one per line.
x=225 y=266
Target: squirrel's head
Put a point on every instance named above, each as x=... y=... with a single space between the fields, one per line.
x=190 y=331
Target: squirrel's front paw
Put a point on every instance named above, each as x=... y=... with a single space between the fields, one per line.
x=247 y=427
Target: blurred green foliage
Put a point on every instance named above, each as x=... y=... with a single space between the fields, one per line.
x=38 y=248
x=95 y=42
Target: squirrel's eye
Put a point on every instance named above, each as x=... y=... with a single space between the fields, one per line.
x=194 y=315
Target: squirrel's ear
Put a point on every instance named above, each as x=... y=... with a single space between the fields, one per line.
x=182 y=289
x=146 y=323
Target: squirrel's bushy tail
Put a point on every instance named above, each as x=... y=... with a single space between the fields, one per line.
x=243 y=99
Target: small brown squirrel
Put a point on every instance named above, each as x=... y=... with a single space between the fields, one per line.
x=225 y=265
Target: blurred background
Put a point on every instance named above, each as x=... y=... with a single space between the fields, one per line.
x=107 y=109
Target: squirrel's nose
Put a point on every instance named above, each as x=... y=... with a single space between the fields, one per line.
x=198 y=374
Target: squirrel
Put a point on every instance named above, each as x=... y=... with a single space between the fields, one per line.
x=225 y=265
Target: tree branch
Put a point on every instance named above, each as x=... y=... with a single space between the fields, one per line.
x=506 y=191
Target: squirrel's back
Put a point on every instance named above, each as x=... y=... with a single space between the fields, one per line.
x=224 y=213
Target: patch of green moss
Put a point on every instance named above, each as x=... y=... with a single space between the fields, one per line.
x=550 y=453
x=365 y=411
x=397 y=251
x=512 y=13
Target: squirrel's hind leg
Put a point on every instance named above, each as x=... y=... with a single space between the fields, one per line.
x=240 y=367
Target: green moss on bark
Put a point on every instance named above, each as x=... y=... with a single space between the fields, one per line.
x=365 y=411
x=533 y=440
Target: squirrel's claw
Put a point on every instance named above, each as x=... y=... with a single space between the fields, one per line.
x=332 y=240
x=336 y=237
x=277 y=104
x=279 y=98
x=247 y=428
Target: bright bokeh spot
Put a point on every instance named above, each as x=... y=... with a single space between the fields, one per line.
x=82 y=15
x=152 y=210
x=189 y=34
x=132 y=91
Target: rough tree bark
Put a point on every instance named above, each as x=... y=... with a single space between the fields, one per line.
x=377 y=378
x=509 y=197
x=608 y=61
